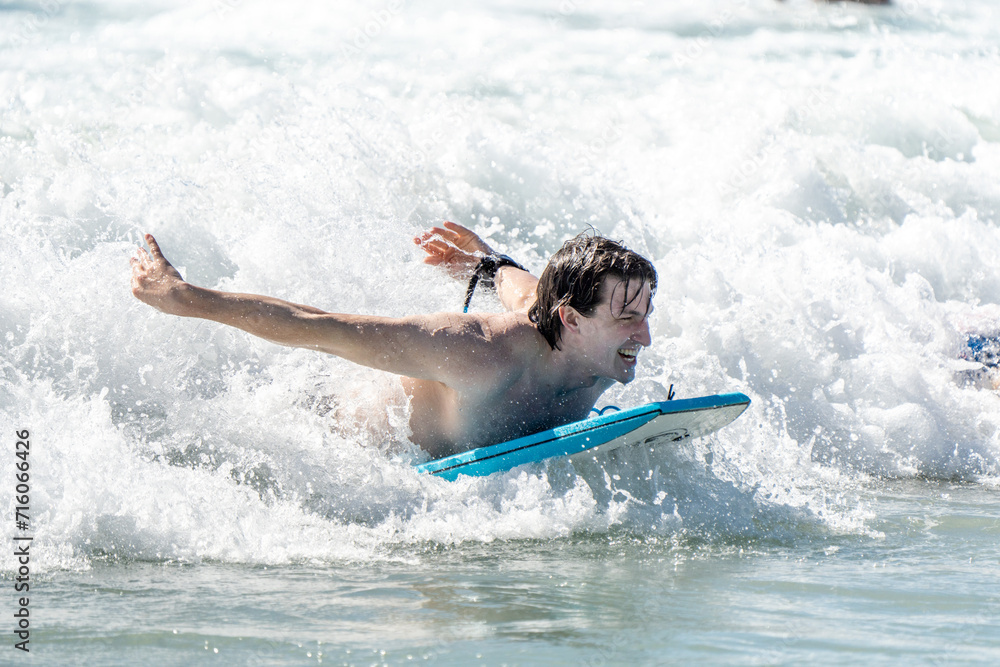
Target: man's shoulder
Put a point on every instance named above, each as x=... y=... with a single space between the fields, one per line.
x=512 y=337
x=512 y=326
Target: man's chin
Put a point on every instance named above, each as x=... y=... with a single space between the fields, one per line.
x=627 y=377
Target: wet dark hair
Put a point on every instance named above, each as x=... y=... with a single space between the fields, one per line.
x=574 y=276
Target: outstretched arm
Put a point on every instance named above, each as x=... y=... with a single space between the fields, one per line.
x=449 y=348
x=459 y=249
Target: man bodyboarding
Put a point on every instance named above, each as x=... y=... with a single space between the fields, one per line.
x=473 y=378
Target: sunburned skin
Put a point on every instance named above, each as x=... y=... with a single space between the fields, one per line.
x=473 y=379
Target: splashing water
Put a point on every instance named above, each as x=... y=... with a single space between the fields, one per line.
x=815 y=185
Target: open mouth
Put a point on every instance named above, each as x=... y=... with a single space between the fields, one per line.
x=628 y=355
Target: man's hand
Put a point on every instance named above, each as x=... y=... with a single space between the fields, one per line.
x=454 y=247
x=155 y=281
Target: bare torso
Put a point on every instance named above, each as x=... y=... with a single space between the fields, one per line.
x=524 y=395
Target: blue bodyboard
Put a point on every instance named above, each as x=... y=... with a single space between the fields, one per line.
x=650 y=424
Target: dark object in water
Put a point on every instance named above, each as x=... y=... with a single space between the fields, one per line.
x=984 y=350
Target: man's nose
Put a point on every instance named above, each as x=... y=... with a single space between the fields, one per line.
x=642 y=336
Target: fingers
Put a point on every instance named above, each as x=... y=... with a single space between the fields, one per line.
x=435 y=248
x=452 y=234
x=140 y=266
x=457 y=228
x=436 y=232
x=466 y=239
x=425 y=239
x=140 y=258
x=445 y=235
x=439 y=247
x=154 y=247
x=451 y=243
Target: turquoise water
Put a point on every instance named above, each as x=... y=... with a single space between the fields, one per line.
x=815 y=183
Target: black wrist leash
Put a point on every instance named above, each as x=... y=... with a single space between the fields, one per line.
x=486 y=271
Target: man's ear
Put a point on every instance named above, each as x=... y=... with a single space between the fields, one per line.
x=570 y=318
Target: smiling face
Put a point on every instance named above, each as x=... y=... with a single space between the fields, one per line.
x=611 y=337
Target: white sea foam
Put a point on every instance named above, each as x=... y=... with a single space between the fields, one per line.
x=816 y=185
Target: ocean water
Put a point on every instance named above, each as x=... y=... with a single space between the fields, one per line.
x=817 y=185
